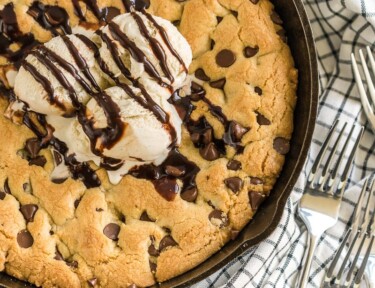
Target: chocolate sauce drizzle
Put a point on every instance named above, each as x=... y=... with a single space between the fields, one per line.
x=104 y=15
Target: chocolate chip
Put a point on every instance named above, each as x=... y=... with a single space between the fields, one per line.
x=276 y=18
x=76 y=203
x=28 y=211
x=166 y=242
x=38 y=161
x=26 y=187
x=197 y=91
x=167 y=187
x=6 y=187
x=234 y=165
x=55 y=15
x=33 y=147
x=141 y=4
x=190 y=194
x=92 y=282
x=219 y=19
x=258 y=90
x=73 y=264
x=218 y=218
x=234 y=234
x=58 y=255
x=234 y=183
x=209 y=152
x=282 y=34
x=24 y=239
x=256 y=181
x=133 y=285
x=145 y=217
x=153 y=251
x=237 y=130
x=281 y=145
x=200 y=74
x=195 y=137
x=153 y=267
x=174 y=171
x=262 y=120
x=2 y=195
x=250 y=51
x=225 y=58
x=111 y=231
x=210 y=204
x=123 y=218
x=256 y=199
x=234 y=13
x=99 y=209
x=207 y=136
x=212 y=44
x=59 y=180
x=254 y=1
x=218 y=84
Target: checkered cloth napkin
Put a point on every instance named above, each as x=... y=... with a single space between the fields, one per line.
x=340 y=27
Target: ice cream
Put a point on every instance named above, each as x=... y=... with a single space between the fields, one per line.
x=106 y=97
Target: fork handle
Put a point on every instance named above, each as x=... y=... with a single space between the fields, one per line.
x=306 y=269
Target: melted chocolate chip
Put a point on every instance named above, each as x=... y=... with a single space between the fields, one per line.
x=174 y=171
x=195 y=137
x=200 y=74
x=258 y=90
x=262 y=120
x=92 y=282
x=218 y=84
x=28 y=211
x=250 y=51
x=189 y=195
x=256 y=181
x=59 y=180
x=218 y=218
x=2 y=195
x=153 y=251
x=33 y=147
x=276 y=18
x=256 y=199
x=234 y=165
x=207 y=136
x=209 y=152
x=166 y=242
x=281 y=145
x=108 y=13
x=254 y=1
x=219 y=19
x=282 y=34
x=167 y=187
x=132 y=286
x=145 y=217
x=27 y=188
x=225 y=58
x=6 y=187
x=153 y=267
x=235 y=132
x=142 y=4
x=234 y=234
x=24 y=239
x=234 y=13
x=38 y=161
x=176 y=23
x=58 y=255
x=234 y=183
x=111 y=231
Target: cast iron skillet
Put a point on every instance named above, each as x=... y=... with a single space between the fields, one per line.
x=301 y=42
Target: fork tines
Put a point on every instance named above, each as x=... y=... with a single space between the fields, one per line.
x=330 y=170
x=368 y=103
x=361 y=232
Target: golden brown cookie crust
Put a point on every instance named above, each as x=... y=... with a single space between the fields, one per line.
x=69 y=247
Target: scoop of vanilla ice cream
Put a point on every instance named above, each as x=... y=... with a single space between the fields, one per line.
x=29 y=90
x=145 y=139
x=130 y=28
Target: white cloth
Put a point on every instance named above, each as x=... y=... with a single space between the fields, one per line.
x=340 y=27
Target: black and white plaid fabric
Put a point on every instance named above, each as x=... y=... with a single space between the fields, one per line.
x=340 y=27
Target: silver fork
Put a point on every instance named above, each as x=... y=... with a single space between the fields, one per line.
x=320 y=204
x=368 y=103
x=361 y=232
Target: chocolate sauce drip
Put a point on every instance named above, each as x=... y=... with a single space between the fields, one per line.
x=10 y=34
x=90 y=4
x=52 y=18
x=78 y=170
x=163 y=181
x=155 y=46
x=165 y=38
x=138 y=5
x=136 y=53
